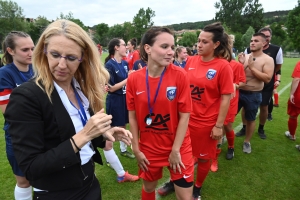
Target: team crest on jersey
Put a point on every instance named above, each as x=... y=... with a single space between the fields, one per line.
x=126 y=69
x=171 y=93
x=210 y=74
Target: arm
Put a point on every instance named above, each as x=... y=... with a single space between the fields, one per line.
x=117 y=86
x=3 y=108
x=277 y=67
x=175 y=157
x=294 y=86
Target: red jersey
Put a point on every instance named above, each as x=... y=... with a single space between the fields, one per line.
x=238 y=76
x=132 y=57
x=208 y=81
x=156 y=140
x=296 y=74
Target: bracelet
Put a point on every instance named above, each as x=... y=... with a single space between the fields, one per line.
x=75 y=144
x=279 y=81
x=220 y=127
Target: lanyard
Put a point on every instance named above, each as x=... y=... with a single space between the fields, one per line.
x=82 y=114
x=156 y=93
x=121 y=68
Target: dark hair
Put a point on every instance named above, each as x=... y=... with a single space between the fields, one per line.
x=224 y=49
x=133 y=42
x=189 y=51
x=149 y=38
x=178 y=50
x=265 y=29
x=111 y=48
x=9 y=41
x=260 y=34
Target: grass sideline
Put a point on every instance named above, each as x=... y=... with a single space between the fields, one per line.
x=271 y=171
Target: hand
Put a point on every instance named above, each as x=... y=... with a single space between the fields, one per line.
x=251 y=62
x=175 y=161
x=118 y=134
x=140 y=66
x=276 y=84
x=292 y=100
x=216 y=133
x=97 y=125
x=241 y=58
x=234 y=91
x=131 y=71
x=142 y=160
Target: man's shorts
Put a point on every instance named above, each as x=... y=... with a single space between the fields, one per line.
x=155 y=172
x=250 y=101
x=292 y=110
x=204 y=147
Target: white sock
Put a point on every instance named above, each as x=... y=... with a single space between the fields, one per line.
x=114 y=161
x=23 y=193
x=123 y=146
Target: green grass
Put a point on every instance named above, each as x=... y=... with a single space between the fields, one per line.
x=271 y=171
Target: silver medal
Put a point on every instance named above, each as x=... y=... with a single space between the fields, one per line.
x=149 y=121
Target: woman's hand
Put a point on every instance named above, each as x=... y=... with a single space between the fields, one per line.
x=216 y=133
x=292 y=99
x=142 y=160
x=175 y=161
x=118 y=134
x=241 y=58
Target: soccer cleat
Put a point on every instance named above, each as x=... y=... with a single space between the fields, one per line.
x=214 y=165
x=276 y=105
x=270 y=118
x=230 y=154
x=196 y=193
x=166 y=189
x=288 y=135
x=242 y=132
x=298 y=147
x=127 y=178
x=127 y=154
x=262 y=134
x=247 y=147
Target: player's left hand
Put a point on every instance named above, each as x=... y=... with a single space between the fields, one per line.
x=276 y=84
x=175 y=161
x=216 y=133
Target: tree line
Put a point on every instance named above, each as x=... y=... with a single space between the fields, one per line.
x=241 y=18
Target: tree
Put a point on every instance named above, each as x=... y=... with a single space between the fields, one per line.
x=142 y=21
x=116 y=31
x=238 y=15
x=188 y=39
x=278 y=34
x=37 y=27
x=293 y=26
x=238 y=45
x=246 y=38
x=70 y=17
x=101 y=31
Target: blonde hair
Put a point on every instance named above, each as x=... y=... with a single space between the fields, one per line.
x=91 y=74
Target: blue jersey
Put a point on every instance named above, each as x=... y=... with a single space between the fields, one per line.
x=136 y=64
x=177 y=63
x=118 y=72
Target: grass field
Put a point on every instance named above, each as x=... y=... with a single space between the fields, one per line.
x=271 y=171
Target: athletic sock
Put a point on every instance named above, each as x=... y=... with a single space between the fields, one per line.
x=292 y=124
x=148 y=196
x=261 y=127
x=23 y=193
x=114 y=161
x=202 y=171
x=230 y=139
x=276 y=98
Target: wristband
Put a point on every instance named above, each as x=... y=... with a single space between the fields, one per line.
x=75 y=144
x=220 y=127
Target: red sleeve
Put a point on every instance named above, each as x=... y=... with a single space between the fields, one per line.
x=184 y=96
x=226 y=86
x=135 y=56
x=242 y=75
x=130 y=93
x=4 y=96
x=296 y=72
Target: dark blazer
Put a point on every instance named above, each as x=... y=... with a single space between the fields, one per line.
x=41 y=132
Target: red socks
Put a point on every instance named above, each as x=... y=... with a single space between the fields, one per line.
x=292 y=124
x=276 y=98
x=148 y=196
x=202 y=171
x=230 y=139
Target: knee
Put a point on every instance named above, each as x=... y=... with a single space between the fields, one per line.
x=149 y=188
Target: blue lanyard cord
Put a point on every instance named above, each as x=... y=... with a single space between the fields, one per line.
x=157 y=90
x=82 y=114
x=121 y=68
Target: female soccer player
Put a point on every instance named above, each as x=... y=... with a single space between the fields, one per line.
x=17 y=47
x=180 y=56
x=133 y=54
x=159 y=106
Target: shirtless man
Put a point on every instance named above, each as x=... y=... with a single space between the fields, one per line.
x=259 y=68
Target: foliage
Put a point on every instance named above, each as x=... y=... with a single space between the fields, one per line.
x=238 y=15
x=141 y=22
x=238 y=45
x=278 y=34
x=36 y=28
x=293 y=26
x=100 y=36
x=188 y=39
x=247 y=37
x=70 y=17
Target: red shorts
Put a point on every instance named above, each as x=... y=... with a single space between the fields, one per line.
x=204 y=147
x=229 y=118
x=155 y=173
x=292 y=110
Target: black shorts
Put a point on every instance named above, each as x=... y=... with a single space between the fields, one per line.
x=266 y=97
